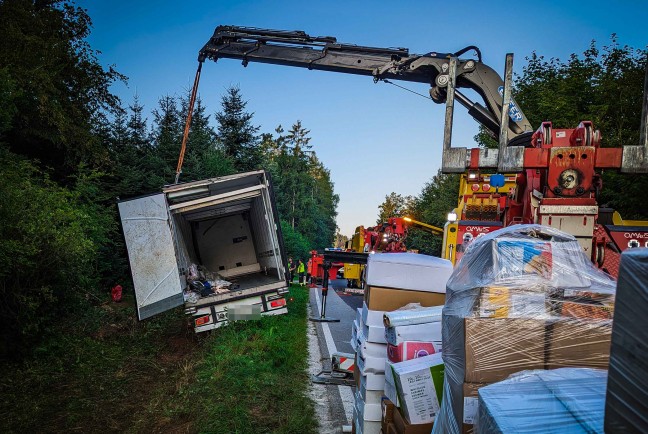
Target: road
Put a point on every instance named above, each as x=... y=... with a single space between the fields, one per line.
x=336 y=337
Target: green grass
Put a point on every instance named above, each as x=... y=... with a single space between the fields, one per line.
x=118 y=375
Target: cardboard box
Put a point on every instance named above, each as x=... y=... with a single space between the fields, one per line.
x=373 y=365
x=367 y=411
x=387 y=411
x=390 y=429
x=387 y=299
x=366 y=426
x=419 y=384
x=371 y=317
x=411 y=350
x=370 y=349
x=408 y=271
x=375 y=334
x=370 y=396
x=404 y=427
x=579 y=343
x=498 y=347
x=426 y=332
x=505 y=302
x=354 y=336
x=373 y=381
x=470 y=406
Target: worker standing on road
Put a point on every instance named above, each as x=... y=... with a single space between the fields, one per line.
x=291 y=270
x=301 y=270
x=309 y=271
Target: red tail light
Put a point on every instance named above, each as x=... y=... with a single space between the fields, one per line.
x=201 y=320
x=278 y=303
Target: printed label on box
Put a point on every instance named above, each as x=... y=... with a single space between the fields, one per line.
x=470 y=409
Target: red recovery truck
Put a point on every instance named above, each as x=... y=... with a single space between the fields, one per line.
x=557 y=170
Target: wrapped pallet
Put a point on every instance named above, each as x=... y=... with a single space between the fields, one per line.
x=626 y=407
x=566 y=400
x=525 y=297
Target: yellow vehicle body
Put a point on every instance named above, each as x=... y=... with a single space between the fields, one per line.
x=471 y=210
x=353 y=271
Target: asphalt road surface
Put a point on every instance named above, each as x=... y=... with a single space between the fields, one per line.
x=336 y=337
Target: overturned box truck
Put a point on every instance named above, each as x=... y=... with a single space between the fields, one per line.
x=213 y=245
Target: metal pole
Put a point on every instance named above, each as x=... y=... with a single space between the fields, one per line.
x=450 y=97
x=185 y=135
x=323 y=318
x=643 y=136
x=506 y=101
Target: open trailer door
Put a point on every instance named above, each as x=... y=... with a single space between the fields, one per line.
x=151 y=253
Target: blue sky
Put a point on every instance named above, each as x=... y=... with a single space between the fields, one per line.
x=374 y=138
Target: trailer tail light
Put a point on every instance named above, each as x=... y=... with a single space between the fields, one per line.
x=486 y=187
x=278 y=303
x=201 y=320
x=475 y=187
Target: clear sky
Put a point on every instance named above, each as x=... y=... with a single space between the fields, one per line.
x=374 y=138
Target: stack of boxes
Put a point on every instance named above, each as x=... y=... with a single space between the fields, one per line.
x=522 y=298
x=393 y=280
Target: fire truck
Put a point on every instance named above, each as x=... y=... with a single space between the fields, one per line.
x=549 y=176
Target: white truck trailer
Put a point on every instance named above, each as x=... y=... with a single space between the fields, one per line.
x=228 y=226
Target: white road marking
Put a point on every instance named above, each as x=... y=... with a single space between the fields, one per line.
x=345 y=391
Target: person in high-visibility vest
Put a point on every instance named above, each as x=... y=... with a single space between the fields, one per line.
x=301 y=270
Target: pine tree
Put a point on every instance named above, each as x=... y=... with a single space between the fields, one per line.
x=236 y=133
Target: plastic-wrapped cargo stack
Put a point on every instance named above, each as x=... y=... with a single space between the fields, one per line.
x=565 y=400
x=393 y=280
x=522 y=298
x=626 y=406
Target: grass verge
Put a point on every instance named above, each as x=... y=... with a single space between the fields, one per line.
x=119 y=375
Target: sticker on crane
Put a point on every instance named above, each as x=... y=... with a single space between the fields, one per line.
x=514 y=111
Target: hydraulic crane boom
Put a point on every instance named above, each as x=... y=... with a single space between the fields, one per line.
x=298 y=49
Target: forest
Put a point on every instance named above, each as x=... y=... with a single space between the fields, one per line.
x=69 y=149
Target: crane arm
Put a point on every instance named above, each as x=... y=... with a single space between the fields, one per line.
x=298 y=49
x=432 y=229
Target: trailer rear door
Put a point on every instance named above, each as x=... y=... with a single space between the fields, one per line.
x=151 y=253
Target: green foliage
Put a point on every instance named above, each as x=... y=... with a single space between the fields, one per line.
x=604 y=86
x=270 y=392
x=58 y=83
x=395 y=205
x=236 y=134
x=437 y=198
x=48 y=249
x=297 y=246
x=305 y=195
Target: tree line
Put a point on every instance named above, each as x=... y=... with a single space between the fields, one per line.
x=69 y=147
x=604 y=85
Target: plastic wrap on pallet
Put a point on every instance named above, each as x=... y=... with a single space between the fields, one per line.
x=567 y=400
x=626 y=406
x=412 y=315
x=525 y=297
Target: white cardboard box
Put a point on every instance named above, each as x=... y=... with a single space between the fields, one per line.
x=427 y=332
x=408 y=271
x=373 y=365
x=366 y=411
x=371 y=317
x=390 y=387
x=374 y=381
x=370 y=349
x=369 y=396
x=375 y=334
x=365 y=426
x=419 y=384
